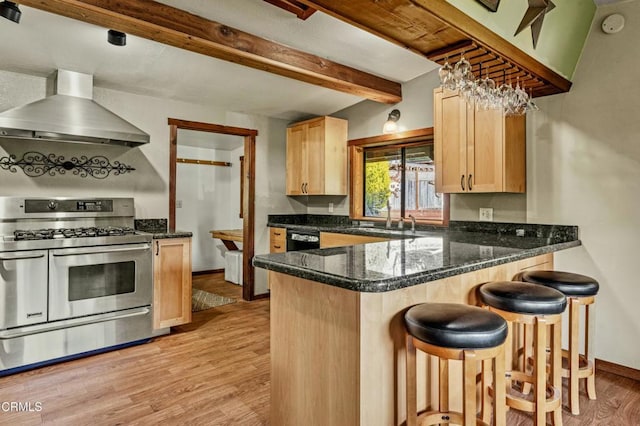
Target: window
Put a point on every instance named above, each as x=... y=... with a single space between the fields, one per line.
x=396 y=174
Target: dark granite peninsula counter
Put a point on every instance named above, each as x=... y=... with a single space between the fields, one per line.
x=337 y=339
x=407 y=260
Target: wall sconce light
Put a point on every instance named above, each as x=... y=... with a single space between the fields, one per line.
x=391 y=125
x=10 y=11
x=117 y=38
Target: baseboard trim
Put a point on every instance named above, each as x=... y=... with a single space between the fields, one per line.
x=208 y=271
x=617 y=369
x=261 y=296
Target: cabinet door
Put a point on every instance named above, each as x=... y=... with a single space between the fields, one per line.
x=484 y=152
x=314 y=149
x=450 y=142
x=296 y=159
x=171 y=282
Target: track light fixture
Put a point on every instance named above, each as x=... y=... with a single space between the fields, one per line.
x=10 y=11
x=117 y=38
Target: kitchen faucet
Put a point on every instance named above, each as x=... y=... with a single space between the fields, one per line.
x=388 y=214
x=413 y=223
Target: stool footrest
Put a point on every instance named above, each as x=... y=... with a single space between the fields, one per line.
x=552 y=401
x=439 y=417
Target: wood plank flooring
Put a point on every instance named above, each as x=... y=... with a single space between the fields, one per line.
x=194 y=376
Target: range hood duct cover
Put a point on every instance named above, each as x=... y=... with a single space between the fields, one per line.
x=69 y=114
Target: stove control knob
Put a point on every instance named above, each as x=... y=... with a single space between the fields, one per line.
x=52 y=205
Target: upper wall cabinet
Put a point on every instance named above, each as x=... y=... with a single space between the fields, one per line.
x=317 y=157
x=477 y=150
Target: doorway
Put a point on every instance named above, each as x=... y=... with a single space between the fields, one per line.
x=247 y=185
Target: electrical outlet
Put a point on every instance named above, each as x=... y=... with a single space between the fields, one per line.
x=486 y=251
x=330 y=207
x=486 y=214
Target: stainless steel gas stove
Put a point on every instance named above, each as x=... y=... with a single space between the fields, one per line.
x=75 y=278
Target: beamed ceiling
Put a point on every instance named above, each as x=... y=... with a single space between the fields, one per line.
x=431 y=29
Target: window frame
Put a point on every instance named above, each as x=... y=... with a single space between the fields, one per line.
x=356 y=149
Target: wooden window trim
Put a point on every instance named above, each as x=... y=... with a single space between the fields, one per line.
x=356 y=171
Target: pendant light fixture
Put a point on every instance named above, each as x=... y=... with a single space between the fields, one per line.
x=9 y=10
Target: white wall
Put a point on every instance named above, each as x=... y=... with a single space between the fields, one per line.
x=148 y=184
x=204 y=197
x=585 y=170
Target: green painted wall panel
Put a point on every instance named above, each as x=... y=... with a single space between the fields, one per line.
x=563 y=34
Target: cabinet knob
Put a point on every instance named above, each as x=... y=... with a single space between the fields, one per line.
x=469 y=183
x=462 y=182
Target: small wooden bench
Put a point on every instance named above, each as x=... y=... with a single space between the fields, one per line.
x=228 y=237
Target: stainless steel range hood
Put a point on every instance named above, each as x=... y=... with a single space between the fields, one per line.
x=69 y=114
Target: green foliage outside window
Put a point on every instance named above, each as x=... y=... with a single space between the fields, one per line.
x=377 y=186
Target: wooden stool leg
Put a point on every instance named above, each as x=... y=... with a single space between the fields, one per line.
x=499 y=396
x=412 y=409
x=526 y=353
x=588 y=352
x=443 y=385
x=556 y=368
x=574 y=353
x=469 y=388
x=540 y=370
x=486 y=382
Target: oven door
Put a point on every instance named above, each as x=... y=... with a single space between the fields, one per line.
x=93 y=280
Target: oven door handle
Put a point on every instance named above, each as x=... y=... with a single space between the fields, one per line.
x=98 y=250
x=74 y=322
x=33 y=256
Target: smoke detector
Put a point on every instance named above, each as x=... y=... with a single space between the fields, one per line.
x=613 y=23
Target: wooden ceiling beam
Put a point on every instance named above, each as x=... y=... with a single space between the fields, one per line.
x=437 y=30
x=301 y=10
x=175 y=27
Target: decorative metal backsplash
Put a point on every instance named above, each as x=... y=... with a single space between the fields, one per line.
x=35 y=164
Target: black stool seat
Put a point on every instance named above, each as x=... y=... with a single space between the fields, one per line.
x=454 y=325
x=566 y=282
x=523 y=298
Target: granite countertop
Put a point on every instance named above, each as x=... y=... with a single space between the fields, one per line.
x=429 y=255
x=158 y=229
x=174 y=234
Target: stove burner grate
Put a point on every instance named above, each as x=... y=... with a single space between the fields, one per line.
x=49 y=233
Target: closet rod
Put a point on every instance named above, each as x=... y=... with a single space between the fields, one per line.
x=203 y=162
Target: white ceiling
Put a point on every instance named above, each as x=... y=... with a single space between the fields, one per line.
x=43 y=42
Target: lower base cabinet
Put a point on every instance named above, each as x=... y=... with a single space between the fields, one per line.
x=171 y=282
x=334 y=239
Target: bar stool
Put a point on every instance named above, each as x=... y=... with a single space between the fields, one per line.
x=454 y=331
x=580 y=290
x=531 y=304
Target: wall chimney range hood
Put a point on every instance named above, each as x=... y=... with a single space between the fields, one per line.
x=69 y=114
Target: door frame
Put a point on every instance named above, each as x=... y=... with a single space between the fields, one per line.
x=248 y=197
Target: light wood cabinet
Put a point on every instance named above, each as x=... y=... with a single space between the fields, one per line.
x=334 y=239
x=171 y=282
x=477 y=150
x=277 y=240
x=317 y=157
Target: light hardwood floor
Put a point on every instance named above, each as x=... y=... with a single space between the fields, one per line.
x=214 y=371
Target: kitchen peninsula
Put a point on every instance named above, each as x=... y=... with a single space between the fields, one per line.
x=337 y=339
